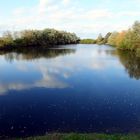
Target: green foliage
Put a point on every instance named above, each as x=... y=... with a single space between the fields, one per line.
x=134 y=36
x=6 y=40
x=106 y=37
x=47 y=37
x=103 y=40
x=112 y=39
x=88 y=41
x=100 y=39
x=126 y=40
x=127 y=43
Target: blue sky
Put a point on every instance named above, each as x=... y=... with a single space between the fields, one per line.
x=87 y=18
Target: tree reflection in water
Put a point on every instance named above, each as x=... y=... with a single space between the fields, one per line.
x=129 y=59
x=33 y=54
x=131 y=62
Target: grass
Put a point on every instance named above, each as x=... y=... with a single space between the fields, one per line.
x=74 y=136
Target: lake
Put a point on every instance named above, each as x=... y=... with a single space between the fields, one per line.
x=73 y=88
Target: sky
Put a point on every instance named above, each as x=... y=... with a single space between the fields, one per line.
x=87 y=18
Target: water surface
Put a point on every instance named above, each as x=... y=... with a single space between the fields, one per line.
x=75 y=88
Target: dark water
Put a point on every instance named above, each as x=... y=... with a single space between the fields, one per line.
x=79 y=88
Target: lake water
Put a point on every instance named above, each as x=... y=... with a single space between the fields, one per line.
x=74 y=88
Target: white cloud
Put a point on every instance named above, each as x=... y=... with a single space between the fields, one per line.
x=130 y=13
x=98 y=13
x=68 y=15
x=48 y=80
x=52 y=72
x=43 y=5
x=66 y=2
x=19 y=11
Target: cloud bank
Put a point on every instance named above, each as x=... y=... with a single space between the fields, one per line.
x=87 y=18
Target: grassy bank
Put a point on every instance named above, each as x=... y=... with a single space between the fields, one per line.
x=74 y=136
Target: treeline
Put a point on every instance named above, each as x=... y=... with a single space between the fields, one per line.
x=32 y=38
x=126 y=40
x=100 y=40
x=87 y=41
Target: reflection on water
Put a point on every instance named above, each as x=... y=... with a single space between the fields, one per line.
x=129 y=60
x=32 y=54
x=82 y=88
x=48 y=75
x=131 y=63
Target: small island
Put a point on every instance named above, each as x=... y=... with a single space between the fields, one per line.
x=36 y=39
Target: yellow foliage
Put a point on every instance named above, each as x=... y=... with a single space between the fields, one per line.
x=120 y=38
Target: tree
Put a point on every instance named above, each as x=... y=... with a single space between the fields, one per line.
x=100 y=39
x=120 y=39
x=35 y=38
x=107 y=37
x=112 y=38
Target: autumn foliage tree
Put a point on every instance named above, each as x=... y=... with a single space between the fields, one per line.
x=120 y=39
x=127 y=40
